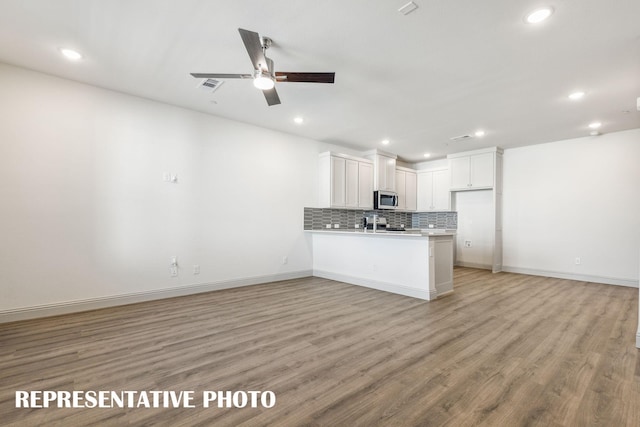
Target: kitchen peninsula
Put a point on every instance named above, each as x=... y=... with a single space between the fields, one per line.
x=413 y=263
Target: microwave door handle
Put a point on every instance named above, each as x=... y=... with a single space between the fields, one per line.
x=395 y=201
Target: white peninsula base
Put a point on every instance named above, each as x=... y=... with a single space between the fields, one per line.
x=418 y=265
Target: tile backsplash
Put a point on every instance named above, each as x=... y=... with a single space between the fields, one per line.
x=318 y=218
x=448 y=220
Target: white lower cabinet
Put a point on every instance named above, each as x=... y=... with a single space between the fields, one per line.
x=433 y=191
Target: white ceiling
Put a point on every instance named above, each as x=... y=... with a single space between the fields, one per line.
x=447 y=69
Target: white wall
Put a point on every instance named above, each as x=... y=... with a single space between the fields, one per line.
x=85 y=212
x=574 y=198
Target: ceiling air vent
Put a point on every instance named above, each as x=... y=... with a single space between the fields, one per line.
x=460 y=138
x=210 y=85
x=408 y=8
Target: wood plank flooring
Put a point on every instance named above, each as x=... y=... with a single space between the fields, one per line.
x=502 y=350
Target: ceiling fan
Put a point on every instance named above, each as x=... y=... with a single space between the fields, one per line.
x=264 y=76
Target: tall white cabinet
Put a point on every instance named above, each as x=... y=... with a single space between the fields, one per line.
x=478 y=171
x=345 y=181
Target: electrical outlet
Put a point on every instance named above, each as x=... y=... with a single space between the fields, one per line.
x=196 y=269
x=336 y=225
x=173 y=271
x=467 y=243
x=578 y=261
x=431 y=226
x=285 y=260
x=356 y=226
x=170 y=177
x=328 y=225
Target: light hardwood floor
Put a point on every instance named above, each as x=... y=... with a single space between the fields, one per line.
x=503 y=350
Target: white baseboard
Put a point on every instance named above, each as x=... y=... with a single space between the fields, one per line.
x=374 y=284
x=638 y=338
x=46 y=310
x=572 y=276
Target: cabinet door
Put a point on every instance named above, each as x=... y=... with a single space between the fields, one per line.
x=390 y=166
x=351 y=183
x=425 y=191
x=441 y=195
x=338 y=182
x=481 y=170
x=410 y=181
x=459 y=168
x=365 y=185
x=400 y=188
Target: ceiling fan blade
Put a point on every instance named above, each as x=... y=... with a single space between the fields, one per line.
x=283 y=76
x=253 y=45
x=221 y=76
x=271 y=96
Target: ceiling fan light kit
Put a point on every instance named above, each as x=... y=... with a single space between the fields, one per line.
x=263 y=80
x=264 y=75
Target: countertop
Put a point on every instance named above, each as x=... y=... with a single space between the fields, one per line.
x=410 y=232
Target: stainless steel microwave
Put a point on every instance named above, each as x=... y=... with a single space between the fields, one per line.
x=385 y=199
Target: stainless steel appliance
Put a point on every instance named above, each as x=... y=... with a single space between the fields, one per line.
x=385 y=199
x=380 y=222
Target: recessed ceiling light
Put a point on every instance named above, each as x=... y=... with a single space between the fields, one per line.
x=299 y=120
x=427 y=155
x=576 y=95
x=539 y=15
x=479 y=133
x=385 y=142
x=595 y=125
x=71 y=54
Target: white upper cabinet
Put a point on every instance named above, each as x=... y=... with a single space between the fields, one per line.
x=389 y=182
x=433 y=191
x=400 y=188
x=474 y=170
x=441 y=194
x=351 y=183
x=406 y=187
x=338 y=181
x=411 y=191
x=384 y=170
x=365 y=185
x=482 y=170
x=345 y=181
